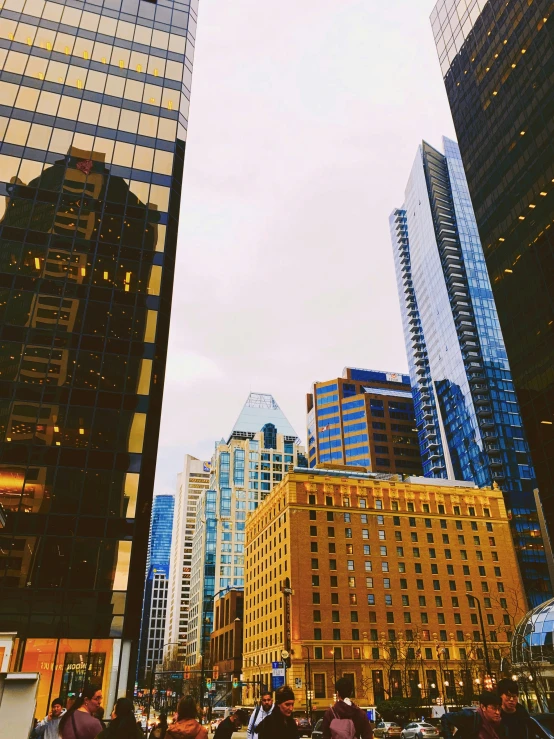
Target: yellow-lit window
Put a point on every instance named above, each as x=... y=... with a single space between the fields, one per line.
x=76 y=76
x=152 y=94
x=25 y=33
x=7 y=29
x=160 y=236
x=17 y=132
x=56 y=72
x=64 y=43
x=155 y=281
x=150 y=328
x=143 y=385
x=83 y=47
x=136 y=434
x=36 y=67
x=121 y=57
x=138 y=59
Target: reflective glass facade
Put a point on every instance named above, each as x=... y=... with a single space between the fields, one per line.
x=467 y=412
x=364 y=419
x=497 y=59
x=243 y=472
x=157 y=584
x=93 y=107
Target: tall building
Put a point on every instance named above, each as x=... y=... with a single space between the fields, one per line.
x=366 y=419
x=467 y=413
x=382 y=580
x=496 y=58
x=93 y=121
x=257 y=453
x=154 y=608
x=191 y=482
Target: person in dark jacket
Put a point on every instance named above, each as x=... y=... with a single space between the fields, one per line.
x=344 y=709
x=483 y=723
x=230 y=724
x=514 y=717
x=280 y=723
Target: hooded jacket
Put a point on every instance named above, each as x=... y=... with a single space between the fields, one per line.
x=347 y=710
x=188 y=728
x=277 y=726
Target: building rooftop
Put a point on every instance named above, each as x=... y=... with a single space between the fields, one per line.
x=259 y=409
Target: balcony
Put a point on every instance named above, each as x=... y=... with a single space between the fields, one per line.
x=486 y=423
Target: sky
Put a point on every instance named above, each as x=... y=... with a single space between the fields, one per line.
x=304 y=122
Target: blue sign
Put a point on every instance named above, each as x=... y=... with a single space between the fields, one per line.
x=277 y=675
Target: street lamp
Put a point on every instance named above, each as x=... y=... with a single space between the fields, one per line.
x=485 y=648
x=335 y=667
x=308 y=684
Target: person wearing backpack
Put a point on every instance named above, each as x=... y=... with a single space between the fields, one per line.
x=262 y=711
x=345 y=720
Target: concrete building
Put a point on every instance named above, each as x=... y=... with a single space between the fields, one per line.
x=226 y=644
x=191 y=482
x=93 y=121
x=366 y=419
x=244 y=470
x=467 y=412
x=380 y=579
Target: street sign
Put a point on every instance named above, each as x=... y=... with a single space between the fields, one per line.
x=277 y=675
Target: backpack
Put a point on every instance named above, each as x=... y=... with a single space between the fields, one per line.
x=341 y=728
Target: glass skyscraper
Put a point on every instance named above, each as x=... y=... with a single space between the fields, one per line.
x=467 y=413
x=154 y=609
x=93 y=118
x=244 y=469
x=364 y=419
x=497 y=59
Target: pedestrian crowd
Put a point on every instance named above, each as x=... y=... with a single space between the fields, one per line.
x=499 y=715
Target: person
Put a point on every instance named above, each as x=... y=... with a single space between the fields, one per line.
x=158 y=732
x=514 y=717
x=48 y=727
x=100 y=715
x=230 y=724
x=79 y=721
x=279 y=724
x=345 y=711
x=484 y=723
x=262 y=711
x=123 y=724
x=186 y=726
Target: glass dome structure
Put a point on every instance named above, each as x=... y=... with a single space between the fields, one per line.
x=533 y=639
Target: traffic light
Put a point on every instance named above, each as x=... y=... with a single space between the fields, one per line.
x=236 y=683
x=209 y=683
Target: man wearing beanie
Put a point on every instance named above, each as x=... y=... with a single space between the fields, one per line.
x=279 y=724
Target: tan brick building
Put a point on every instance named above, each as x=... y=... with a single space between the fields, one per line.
x=379 y=569
x=226 y=642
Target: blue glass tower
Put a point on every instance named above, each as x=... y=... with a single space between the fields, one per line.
x=156 y=588
x=467 y=414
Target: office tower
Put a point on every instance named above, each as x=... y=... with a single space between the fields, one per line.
x=496 y=59
x=194 y=479
x=364 y=418
x=256 y=455
x=154 y=608
x=467 y=412
x=379 y=569
x=93 y=123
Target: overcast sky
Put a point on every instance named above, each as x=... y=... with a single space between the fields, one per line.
x=304 y=123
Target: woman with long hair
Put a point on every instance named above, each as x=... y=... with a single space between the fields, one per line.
x=79 y=721
x=186 y=726
x=123 y=724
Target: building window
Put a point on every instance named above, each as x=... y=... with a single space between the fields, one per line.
x=319 y=685
x=318 y=652
x=317 y=616
x=317 y=634
x=336 y=634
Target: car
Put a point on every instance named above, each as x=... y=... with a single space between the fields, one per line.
x=419 y=730
x=304 y=726
x=387 y=729
x=317 y=732
x=545 y=725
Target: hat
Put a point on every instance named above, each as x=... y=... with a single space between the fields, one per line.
x=283 y=694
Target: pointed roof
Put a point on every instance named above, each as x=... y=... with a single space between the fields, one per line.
x=259 y=409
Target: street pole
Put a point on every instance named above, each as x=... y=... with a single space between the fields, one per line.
x=485 y=647
x=335 y=669
x=308 y=684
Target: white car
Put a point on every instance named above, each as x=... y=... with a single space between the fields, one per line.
x=419 y=730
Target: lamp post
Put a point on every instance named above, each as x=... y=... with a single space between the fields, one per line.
x=334 y=669
x=485 y=647
x=308 y=684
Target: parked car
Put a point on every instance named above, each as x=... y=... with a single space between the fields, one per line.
x=317 y=731
x=545 y=725
x=304 y=726
x=419 y=730
x=387 y=730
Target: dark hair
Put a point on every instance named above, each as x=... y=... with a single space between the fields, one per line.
x=123 y=726
x=163 y=718
x=56 y=702
x=87 y=692
x=506 y=686
x=343 y=687
x=490 y=699
x=186 y=708
x=283 y=694
x=242 y=715
x=267 y=692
